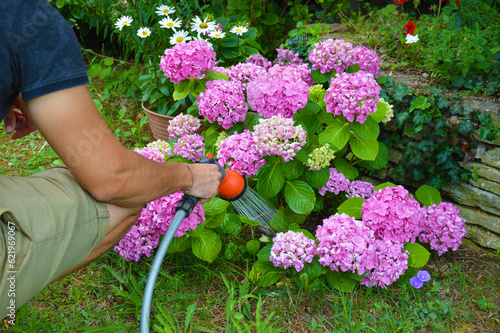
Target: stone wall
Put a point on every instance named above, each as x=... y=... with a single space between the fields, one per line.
x=478 y=200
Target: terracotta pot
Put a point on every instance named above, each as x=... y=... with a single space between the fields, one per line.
x=159 y=124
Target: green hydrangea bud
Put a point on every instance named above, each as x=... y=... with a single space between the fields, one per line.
x=222 y=136
x=317 y=92
x=162 y=146
x=320 y=158
x=389 y=114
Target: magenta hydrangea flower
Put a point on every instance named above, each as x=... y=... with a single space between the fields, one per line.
x=444 y=227
x=223 y=70
x=292 y=249
x=223 y=101
x=259 y=60
x=345 y=243
x=280 y=91
x=286 y=57
x=394 y=215
x=244 y=72
x=391 y=263
x=361 y=189
x=183 y=124
x=336 y=183
x=353 y=95
x=332 y=55
x=278 y=135
x=151 y=153
x=367 y=60
x=187 y=60
x=190 y=146
x=239 y=152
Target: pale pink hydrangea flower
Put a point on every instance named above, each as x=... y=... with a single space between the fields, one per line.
x=187 y=60
x=239 y=152
x=391 y=262
x=162 y=146
x=336 y=183
x=393 y=214
x=152 y=153
x=345 y=243
x=259 y=60
x=244 y=72
x=183 y=124
x=190 y=146
x=355 y=95
x=280 y=91
x=278 y=135
x=224 y=102
x=361 y=189
x=444 y=227
x=331 y=55
x=367 y=60
x=292 y=249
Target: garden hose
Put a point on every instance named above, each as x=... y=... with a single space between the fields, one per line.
x=231 y=187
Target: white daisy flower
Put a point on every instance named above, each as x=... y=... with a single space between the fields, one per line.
x=123 y=21
x=143 y=32
x=239 y=30
x=168 y=23
x=411 y=39
x=217 y=34
x=179 y=37
x=202 y=27
x=165 y=10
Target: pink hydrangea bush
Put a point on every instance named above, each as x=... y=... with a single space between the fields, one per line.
x=354 y=95
x=292 y=249
x=332 y=55
x=391 y=261
x=394 y=215
x=336 y=183
x=239 y=152
x=279 y=136
x=345 y=243
x=224 y=102
x=183 y=124
x=190 y=146
x=367 y=60
x=187 y=60
x=279 y=91
x=444 y=227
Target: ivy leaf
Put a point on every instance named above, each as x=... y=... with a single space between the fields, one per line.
x=420 y=103
x=352 y=207
x=440 y=127
x=300 y=196
x=442 y=103
x=336 y=134
x=428 y=195
x=465 y=126
x=402 y=117
x=400 y=91
x=457 y=109
x=422 y=117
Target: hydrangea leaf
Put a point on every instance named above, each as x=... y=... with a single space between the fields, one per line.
x=280 y=223
x=336 y=134
x=178 y=244
x=419 y=256
x=365 y=149
x=271 y=180
x=352 y=207
x=382 y=157
x=313 y=269
x=207 y=246
x=308 y=120
x=318 y=178
x=384 y=185
x=232 y=224
x=428 y=195
x=269 y=19
x=341 y=281
x=300 y=196
x=265 y=274
x=250 y=222
x=379 y=115
x=230 y=52
x=264 y=254
x=319 y=77
x=252 y=246
x=215 y=206
x=214 y=221
x=370 y=129
x=343 y=166
x=293 y=169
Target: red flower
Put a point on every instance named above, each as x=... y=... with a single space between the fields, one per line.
x=397 y=2
x=457 y=3
x=409 y=27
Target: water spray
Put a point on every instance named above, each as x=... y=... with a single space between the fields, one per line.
x=233 y=187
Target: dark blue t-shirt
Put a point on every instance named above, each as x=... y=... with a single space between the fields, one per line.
x=39 y=52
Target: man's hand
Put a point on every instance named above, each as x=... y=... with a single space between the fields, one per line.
x=19 y=122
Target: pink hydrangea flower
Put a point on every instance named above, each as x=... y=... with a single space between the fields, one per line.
x=244 y=72
x=332 y=55
x=367 y=60
x=286 y=57
x=391 y=263
x=190 y=146
x=278 y=135
x=187 y=60
x=239 y=152
x=259 y=60
x=444 y=227
x=393 y=214
x=292 y=249
x=336 y=183
x=222 y=70
x=223 y=101
x=162 y=146
x=345 y=243
x=183 y=124
x=151 y=153
x=361 y=189
x=280 y=91
x=355 y=95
